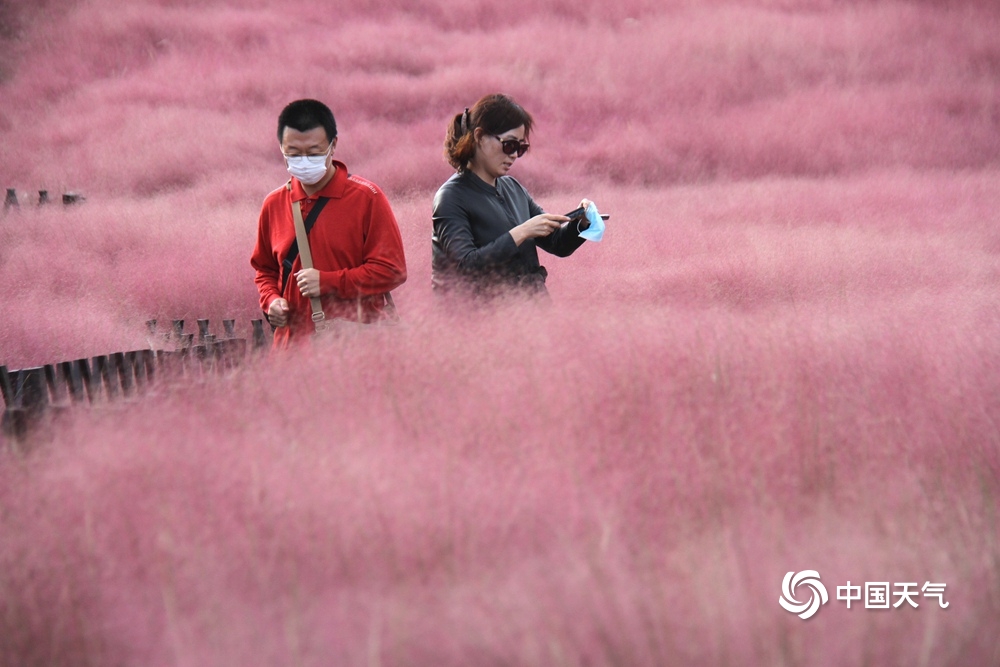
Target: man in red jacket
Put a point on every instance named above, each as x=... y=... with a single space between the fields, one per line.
x=356 y=247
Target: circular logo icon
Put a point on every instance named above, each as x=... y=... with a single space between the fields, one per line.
x=817 y=593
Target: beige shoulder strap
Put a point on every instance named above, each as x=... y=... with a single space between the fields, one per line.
x=306 y=255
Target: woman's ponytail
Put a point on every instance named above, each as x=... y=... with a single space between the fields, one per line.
x=495 y=114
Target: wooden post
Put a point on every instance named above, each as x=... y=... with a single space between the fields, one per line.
x=120 y=367
x=178 y=326
x=91 y=388
x=56 y=382
x=147 y=359
x=31 y=391
x=5 y=387
x=105 y=376
x=73 y=376
x=132 y=373
x=259 y=340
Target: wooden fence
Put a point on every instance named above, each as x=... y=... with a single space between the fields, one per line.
x=33 y=394
x=11 y=201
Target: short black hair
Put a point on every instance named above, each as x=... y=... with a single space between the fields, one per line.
x=305 y=115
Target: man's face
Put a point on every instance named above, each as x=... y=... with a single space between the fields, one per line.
x=311 y=142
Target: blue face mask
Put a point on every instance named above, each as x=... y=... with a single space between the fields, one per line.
x=596 y=230
x=309 y=169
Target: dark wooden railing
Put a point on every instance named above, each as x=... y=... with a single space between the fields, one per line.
x=33 y=394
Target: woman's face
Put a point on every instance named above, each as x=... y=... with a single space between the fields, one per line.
x=490 y=160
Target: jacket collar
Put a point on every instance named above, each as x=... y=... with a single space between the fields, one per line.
x=334 y=189
x=478 y=183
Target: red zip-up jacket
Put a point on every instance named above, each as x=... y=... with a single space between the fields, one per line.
x=355 y=244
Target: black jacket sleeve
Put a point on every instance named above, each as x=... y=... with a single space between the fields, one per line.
x=564 y=241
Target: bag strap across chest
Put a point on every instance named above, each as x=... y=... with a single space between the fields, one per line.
x=302 y=237
x=293 y=250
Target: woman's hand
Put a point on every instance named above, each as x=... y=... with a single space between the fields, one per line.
x=539 y=226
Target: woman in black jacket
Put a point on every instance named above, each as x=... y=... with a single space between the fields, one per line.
x=486 y=225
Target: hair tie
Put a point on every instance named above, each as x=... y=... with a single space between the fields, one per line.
x=465 y=121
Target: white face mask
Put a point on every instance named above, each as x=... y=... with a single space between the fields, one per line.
x=309 y=169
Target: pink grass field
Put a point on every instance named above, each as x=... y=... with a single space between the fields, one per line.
x=784 y=356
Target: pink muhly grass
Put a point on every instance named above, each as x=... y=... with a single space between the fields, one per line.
x=420 y=495
x=635 y=93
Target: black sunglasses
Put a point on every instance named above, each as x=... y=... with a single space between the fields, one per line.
x=511 y=146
